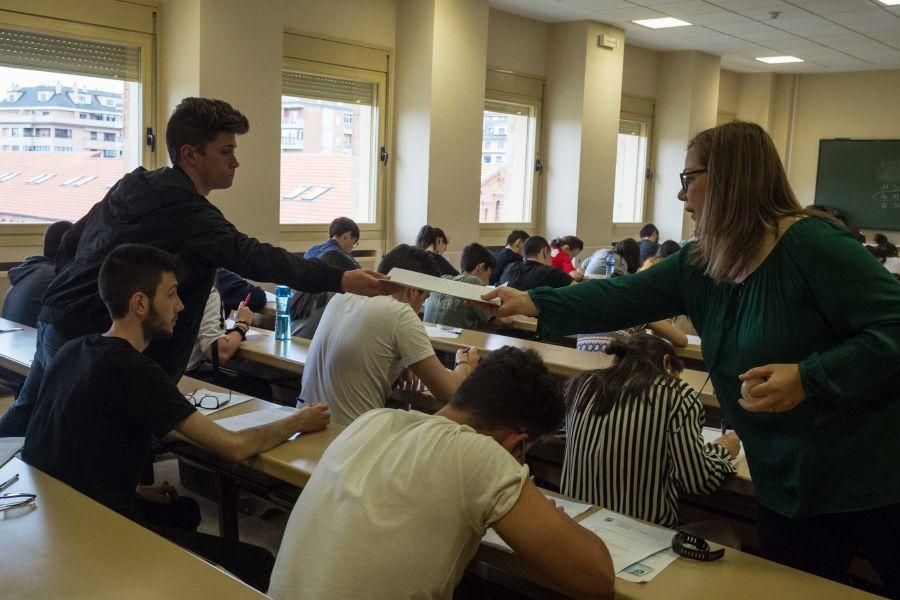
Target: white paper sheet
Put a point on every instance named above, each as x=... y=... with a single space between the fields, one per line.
x=233 y=400
x=435 y=331
x=252 y=334
x=270 y=297
x=459 y=289
x=648 y=568
x=256 y=418
x=694 y=340
x=628 y=541
x=570 y=507
x=8 y=448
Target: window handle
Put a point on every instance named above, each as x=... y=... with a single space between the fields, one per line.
x=384 y=155
x=151 y=139
x=648 y=174
x=539 y=165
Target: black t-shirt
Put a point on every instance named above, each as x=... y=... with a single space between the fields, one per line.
x=532 y=274
x=443 y=264
x=99 y=405
x=503 y=256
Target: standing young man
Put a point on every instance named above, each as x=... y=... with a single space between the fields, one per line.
x=101 y=401
x=400 y=500
x=167 y=208
x=510 y=253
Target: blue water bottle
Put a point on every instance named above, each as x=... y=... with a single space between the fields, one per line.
x=610 y=264
x=282 y=313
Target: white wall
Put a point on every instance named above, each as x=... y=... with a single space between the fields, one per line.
x=372 y=22
x=516 y=43
x=640 y=71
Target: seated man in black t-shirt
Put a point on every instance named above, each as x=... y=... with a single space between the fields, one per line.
x=101 y=401
x=535 y=271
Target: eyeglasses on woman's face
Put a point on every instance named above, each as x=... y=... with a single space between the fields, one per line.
x=688 y=176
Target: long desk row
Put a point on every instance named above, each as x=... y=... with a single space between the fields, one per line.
x=124 y=556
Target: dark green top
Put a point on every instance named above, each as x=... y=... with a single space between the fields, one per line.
x=819 y=299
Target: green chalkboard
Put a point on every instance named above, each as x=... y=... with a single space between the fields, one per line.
x=861 y=178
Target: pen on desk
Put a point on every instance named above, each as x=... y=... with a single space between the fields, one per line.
x=11 y=330
x=9 y=482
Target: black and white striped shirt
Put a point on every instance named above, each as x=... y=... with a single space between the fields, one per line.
x=637 y=458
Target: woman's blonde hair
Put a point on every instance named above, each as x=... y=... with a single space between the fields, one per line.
x=747 y=192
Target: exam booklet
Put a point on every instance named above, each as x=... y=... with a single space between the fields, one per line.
x=439 y=285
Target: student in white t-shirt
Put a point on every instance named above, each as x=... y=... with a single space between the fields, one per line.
x=214 y=336
x=362 y=345
x=399 y=501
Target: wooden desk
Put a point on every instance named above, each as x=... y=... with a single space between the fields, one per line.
x=17 y=347
x=69 y=545
x=289 y=355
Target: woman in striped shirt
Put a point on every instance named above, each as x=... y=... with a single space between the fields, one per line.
x=634 y=435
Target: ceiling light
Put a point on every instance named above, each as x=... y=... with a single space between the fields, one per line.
x=890 y=2
x=664 y=22
x=777 y=60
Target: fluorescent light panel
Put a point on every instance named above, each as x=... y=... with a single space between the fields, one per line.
x=664 y=22
x=778 y=60
x=890 y=2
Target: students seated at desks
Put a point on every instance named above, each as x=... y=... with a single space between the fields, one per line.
x=233 y=289
x=634 y=436
x=400 y=500
x=510 y=253
x=434 y=240
x=649 y=243
x=307 y=307
x=668 y=248
x=30 y=279
x=215 y=342
x=891 y=261
x=477 y=264
x=363 y=345
x=562 y=251
x=167 y=208
x=535 y=271
x=101 y=401
x=626 y=256
x=664 y=328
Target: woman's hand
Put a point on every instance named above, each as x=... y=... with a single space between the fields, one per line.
x=780 y=389
x=512 y=302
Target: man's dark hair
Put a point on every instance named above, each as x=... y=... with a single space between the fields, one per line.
x=342 y=225
x=573 y=242
x=132 y=268
x=668 y=248
x=410 y=258
x=534 y=246
x=429 y=235
x=475 y=254
x=197 y=121
x=648 y=230
x=512 y=388
x=515 y=236
x=53 y=237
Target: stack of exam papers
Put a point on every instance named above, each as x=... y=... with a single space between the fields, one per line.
x=256 y=418
x=9 y=447
x=439 y=285
x=639 y=550
x=440 y=331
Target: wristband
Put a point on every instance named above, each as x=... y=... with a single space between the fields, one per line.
x=695 y=547
x=242 y=321
x=240 y=332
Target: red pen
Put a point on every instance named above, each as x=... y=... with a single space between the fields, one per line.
x=247 y=299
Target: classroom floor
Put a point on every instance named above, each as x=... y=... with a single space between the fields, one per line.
x=264 y=527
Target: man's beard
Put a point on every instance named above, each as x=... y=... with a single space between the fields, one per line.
x=155 y=326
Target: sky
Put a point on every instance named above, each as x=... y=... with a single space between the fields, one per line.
x=28 y=77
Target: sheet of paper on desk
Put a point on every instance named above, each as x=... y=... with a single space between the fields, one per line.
x=256 y=418
x=270 y=297
x=252 y=334
x=648 y=568
x=232 y=398
x=713 y=433
x=8 y=448
x=628 y=540
x=570 y=507
x=439 y=285
x=435 y=331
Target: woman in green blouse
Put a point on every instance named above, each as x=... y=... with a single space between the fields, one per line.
x=781 y=295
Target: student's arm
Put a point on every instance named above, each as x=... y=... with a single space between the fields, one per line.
x=665 y=329
x=241 y=445
x=567 y=556
x=439 y=380
x=229 y=343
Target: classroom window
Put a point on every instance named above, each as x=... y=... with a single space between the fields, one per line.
x=329 y=148
x=53 y=75
x=631 y=171
x=507 y=173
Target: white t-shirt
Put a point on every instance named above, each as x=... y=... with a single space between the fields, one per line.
x=361 y=346
x=892 y=264
x=395 y=509
x=211 y=328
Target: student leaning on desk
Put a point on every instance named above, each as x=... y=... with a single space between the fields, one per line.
x=789 y=302
x=101 y=401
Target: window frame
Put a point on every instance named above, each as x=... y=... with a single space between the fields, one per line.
x=535 y=105
x=30 y=234
x=290 y=231
x=639 y=109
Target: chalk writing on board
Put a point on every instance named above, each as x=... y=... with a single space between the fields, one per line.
x=889 y=176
